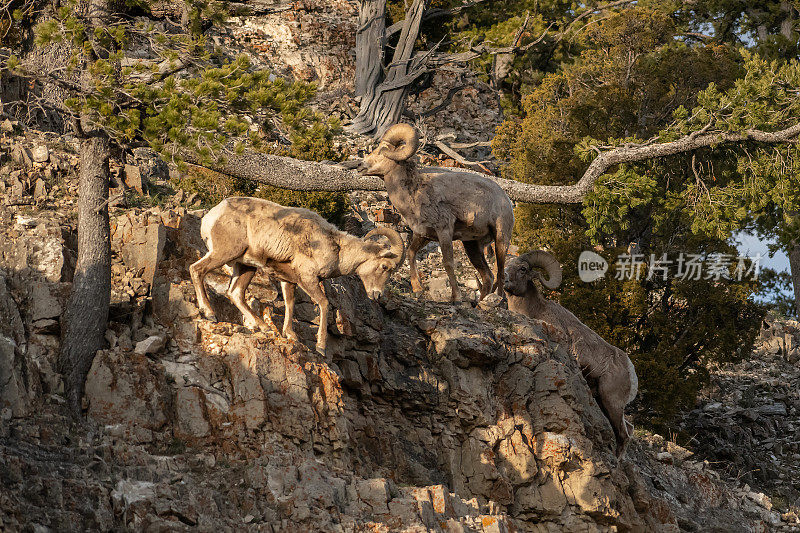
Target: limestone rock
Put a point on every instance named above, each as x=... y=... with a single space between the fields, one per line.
x=151 y=167
x=6 y=126
x=127 y=390
x=40 y=191
x=133 y=179
x=144 y=250
x=38 y=252
x=151 y=345
x=42 y=304
x=13 y=393
x=22 y=155
x=40 y=153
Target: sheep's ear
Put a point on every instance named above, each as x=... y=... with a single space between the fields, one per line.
x=387 y=254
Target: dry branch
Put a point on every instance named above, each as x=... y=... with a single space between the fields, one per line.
x=431 y=14
x=288 y=173
x=447 y=150
x=477 y=51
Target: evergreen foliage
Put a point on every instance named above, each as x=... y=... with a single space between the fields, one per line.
x=633 y=76
x=187 y=97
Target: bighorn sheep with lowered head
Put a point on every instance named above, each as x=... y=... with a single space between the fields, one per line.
x=603 y=364
x=443 y=205
x=294 y=245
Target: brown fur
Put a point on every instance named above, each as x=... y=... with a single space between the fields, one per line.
x=444 y=205
x=296 y=246
x=606 y=365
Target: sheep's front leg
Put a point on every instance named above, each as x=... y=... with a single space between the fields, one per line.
x=242 y=276
x=198 y=272
x=288 y=300
x=314 y=290
x=446 y=244
x=416 y=242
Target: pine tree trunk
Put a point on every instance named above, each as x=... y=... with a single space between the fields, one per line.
x=383 y=103
x=86 y=316
x=370 y=39
x=794 y=266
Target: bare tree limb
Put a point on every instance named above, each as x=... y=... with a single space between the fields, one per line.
x=431 y=14
x=465 y=146
x=444 y=103
x=478 y=51
x=259 y=8
x=441 y=145
x=288 y=173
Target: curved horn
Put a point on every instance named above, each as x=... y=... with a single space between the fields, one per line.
x=548 y=262
x=395 y=240
x=404 y=139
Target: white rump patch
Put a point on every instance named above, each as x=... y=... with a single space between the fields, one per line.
x=634 y=381
x=208 y=221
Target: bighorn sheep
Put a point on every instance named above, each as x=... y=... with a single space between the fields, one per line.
x=443 y=205
x=607 y=366
x=294 y=245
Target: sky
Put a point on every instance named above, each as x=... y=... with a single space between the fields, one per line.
x=750 y=245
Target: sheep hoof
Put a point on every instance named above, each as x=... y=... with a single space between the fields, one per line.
x=211 y=317
x=267 y=330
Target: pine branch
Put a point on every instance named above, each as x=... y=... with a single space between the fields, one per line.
x=288 y=173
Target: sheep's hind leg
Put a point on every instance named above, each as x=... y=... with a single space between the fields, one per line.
x=242 y=276
x=501 y=250
x=416 y=242
x=314 y=290
x=475 y=254
x=614 y=406
x=198 y=272
x=446 y=244
x=288 y=300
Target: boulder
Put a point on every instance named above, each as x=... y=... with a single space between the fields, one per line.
x=151 y=345
x=40 y=153
x=37 y=251
x=151 y=166
x=133 y=179
x=22 y=156
x=13 y=393
x=143 y=252
x=40 y=191
x=129 y=391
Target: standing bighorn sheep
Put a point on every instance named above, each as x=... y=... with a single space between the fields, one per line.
x=294 y=245
x=606 y=365
x=443 y=205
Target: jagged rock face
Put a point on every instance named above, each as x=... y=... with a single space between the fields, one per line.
x=420 y=393
x=35 y=267
x=749 y=416
x=429 y=417
x=460 y=409
x=312 y=42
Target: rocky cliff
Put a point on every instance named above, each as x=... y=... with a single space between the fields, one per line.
x=428 y=417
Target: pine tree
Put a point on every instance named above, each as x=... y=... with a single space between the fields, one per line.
x=639 y=80
x=188 y=99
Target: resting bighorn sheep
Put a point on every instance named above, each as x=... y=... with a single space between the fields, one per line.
x=443 y=205
x=608 y=366
x=294 y=245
